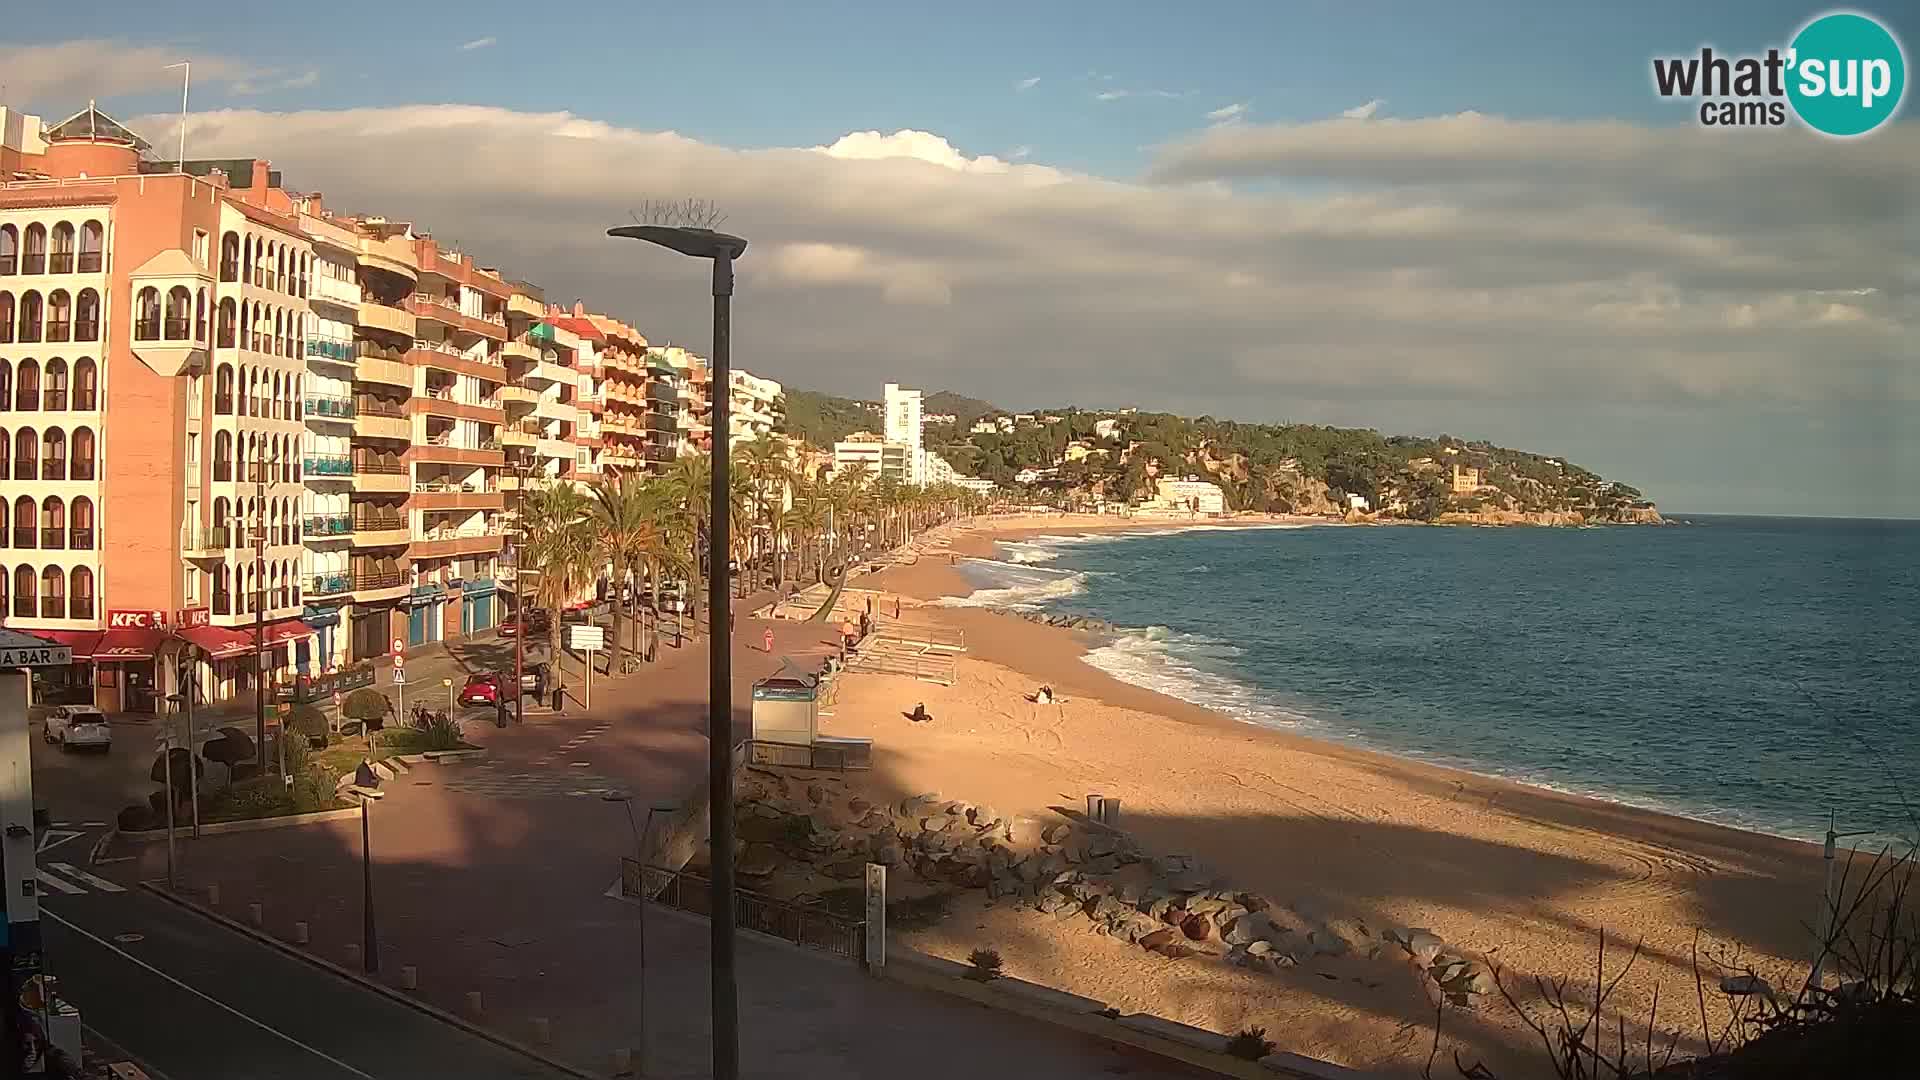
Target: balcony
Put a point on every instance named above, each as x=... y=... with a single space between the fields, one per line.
x=381 y=426
x=519 y=435
x=335 y=290
x=520 y=395
x=327 y=526
x=533 y=307
x=446 y=358
x=446 y=311
x=319 y=585
x=430 y=496
x=368 y=368
x=327 y=466
x=82 y=539
x=374 y=475
x=378 y=584
x=378 y=316
x=329 y=407
x=521 y=349
x=393 y=254
x=380 y=530
x=443 y=543
x=339 y=352
x=554 y=448
x=201 y=541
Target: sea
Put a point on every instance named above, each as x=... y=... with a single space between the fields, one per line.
x=1762 y=673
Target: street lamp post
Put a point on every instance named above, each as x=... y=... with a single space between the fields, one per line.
x=640 y=859
x=721 y=249
x=519 y=594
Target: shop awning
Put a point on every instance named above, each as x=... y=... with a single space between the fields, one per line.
x=128 y=645
x=82 y=642
x=286 y=630
x=219 y=642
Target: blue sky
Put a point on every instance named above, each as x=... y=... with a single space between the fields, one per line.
x=803 y=74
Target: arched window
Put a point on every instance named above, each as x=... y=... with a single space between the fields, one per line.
x=86 y=316
x=26 y=454
x=6 y=386
x=83 y=454
x=54 y=395
x=81 y=604
x=35 y=259
x=6 y=463
x=29 y=328
x=246 y=259
x=26 y=395
x=53 y=462
x=6 y=317
x=53 y=523
x=230 y=257
x=225 y=339
x=222 y=457
x=53 y=593
x=92 y=243
x=24 y=520
x=279 y=333
x=200 y=316
x=223 y=390
x=25 y=582
x=80 y=529
x=61 y=261
x=279 y=268
x=9 y=250
x=86 y=385
x=179 y=312
x=59 y=316
x=146 y=315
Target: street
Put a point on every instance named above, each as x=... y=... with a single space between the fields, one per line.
x=194 y=999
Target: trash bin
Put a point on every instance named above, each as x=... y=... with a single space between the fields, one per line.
x=556 y=698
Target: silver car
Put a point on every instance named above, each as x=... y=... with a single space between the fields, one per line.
x=79 y=726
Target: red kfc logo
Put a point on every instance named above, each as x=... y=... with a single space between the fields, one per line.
x=121 y=619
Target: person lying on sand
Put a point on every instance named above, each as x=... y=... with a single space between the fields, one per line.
x=1044 y=696
x=920 y=715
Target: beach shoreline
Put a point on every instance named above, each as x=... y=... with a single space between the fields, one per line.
x=1526 y=875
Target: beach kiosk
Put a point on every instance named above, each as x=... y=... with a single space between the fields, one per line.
x=786 y=728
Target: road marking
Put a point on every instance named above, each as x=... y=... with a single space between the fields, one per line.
x=216 y=1002
x=47 y=838
x=52 y=882
x=73 y=871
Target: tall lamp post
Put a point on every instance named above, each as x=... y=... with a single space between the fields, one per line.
x=721 y=249
x=519 y=595
x=640 y=859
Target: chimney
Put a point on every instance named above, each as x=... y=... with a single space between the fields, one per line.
x=260 y=171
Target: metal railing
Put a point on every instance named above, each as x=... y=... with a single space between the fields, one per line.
x=374 y=466
x=328 y=524
x=841 y=755
x=328 y=464
x=329 y=405
x=329 y=584
x=377 y=579
x=813 y=927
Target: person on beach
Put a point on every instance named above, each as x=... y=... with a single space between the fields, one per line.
x=1045 y=696
x=920 y=715
x=768 y=638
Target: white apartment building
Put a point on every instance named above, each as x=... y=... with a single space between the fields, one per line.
x=754 y=407
x=1106 y=429
x=1187 y=496
x=939 y=471
x=977 y=484
x=903 y=427
x=877 y=457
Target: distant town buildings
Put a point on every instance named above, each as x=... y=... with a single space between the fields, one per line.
x=1107 y=429
x=1186 y=496
x=1466 y=479
x=753 y=407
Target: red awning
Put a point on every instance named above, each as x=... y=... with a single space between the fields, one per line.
x=287 y=630
x=82 y=642
x=219 y=642
x=129 y=645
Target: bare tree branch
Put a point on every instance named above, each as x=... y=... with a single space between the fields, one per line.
x=688 y=213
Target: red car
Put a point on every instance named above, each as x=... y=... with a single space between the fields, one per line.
x=483 y=688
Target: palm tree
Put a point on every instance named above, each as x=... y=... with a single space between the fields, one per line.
x=558 y=544
x=628 y=535
x=766 y=463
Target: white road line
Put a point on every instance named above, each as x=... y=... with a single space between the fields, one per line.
x=216 y=1002
x=73 y=871
x=52 y=882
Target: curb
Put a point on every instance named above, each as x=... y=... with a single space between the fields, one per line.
x=158 y=889
x=220 y=828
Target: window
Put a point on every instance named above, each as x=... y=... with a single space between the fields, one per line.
x=25 y=582
x=83 y=454
x=192 y=586
x=26 y=454
x=223 y=391
x=230 y=257
x=35 y=259
x=26 y=396
x=53 y=524
x=53 y=465
x=9 y=250
x=29 y=330
x=23 y=524
x=59 y=316
x=6 y=316
x=225 y=326
x=81 y=604
x=200 y=247
x=61 y=259
x=200 y=316
x=146 y=315
x=80 y=528
x=86 y=316
x=222 y=456
x=53 y=593
x=92 y=242
x=86 y=385
x=54 y=396
x=179 y=310
x=6 y=463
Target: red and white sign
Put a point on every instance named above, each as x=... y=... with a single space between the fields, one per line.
x=398 y=646
x=121 y=619
x=195 y=616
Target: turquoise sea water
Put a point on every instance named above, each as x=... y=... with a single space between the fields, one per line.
x=1755 y=672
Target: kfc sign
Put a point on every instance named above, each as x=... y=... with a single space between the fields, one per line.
x=194 y=616
x=118 y=619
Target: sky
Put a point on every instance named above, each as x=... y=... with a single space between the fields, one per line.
x=1473 y=218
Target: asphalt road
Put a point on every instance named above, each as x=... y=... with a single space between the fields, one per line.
x=191 y=999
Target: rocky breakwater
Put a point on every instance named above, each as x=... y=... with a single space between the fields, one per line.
x=1061 y=619
x=798 y=838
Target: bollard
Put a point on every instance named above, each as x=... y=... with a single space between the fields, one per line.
x=353 y=956
x=213 y=896
x=1110 y=812
x=409 y=977
x=473 y=1002
x=257 y=914
x=300 y=933
x=542 y=1031
x=1094 y=804
x=622 y=1062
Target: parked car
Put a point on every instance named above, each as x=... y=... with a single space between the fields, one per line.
x=483 y=688
x=533 y=624
x=533 y=680
x=77 y=726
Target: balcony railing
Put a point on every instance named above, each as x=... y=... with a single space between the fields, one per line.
x=30 y=265
x=378 y=522
x=23 y=607
x=329 y=584
x=90 y=262
x=327 y=464
x=178 y=329
x=439 y=485
x=26 y=536
x=56 y=401
x=368 y=405
x=368 y=466
x=329 y=405
x=82 y=539
x=205 y=538
x=60 y=262
x=86 y=330
x=59 y=330
x=83 y=469
x=377 y=579
x=53 y=607
x=53 y=538
x=53 y=469
x=342 y=351
x=328 y=524
x=29 y=333
x=81 y=608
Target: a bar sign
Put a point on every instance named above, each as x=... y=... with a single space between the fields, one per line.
x=16 y=656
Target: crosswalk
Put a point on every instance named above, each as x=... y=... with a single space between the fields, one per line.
x=73 y=881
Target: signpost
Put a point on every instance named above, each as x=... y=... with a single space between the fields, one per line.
x=589 y=638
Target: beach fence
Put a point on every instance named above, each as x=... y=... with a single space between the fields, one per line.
x=811 y=926
x=879 y=655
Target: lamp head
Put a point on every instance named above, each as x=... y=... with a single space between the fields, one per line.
x=699 y=243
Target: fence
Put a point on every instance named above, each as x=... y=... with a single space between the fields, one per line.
x=813 y=927
x=840 y=754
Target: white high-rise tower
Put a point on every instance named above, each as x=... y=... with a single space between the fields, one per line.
x=903 y=427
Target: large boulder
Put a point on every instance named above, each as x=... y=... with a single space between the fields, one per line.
x=1423 y=945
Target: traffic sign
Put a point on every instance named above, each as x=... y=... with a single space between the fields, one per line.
x=587 y=637
x=399 y=661
x=398 y=645
x=399 y=676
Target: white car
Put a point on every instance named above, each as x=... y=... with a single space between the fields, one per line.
x=79 y=726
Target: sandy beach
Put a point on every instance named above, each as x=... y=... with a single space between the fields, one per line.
x=1528 y=879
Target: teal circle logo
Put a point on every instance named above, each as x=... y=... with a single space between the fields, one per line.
x=1847 y=76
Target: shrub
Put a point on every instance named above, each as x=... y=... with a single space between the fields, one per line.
x=260 y=796
x=366 y=704
x=1251 y=1044
x=986 y=965
x=134 y=819
x=443 y=733
x=308 y=720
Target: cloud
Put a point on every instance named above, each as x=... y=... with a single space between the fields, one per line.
x=270 y=81
x=1659 y=303
x=1363 y=112
x=60 y=77
x=1227 y=114
x=1118 y=93
x=1027 y=84
x=478 y=43
x=1021 y=153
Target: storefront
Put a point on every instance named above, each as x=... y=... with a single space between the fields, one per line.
x=477 y=605
x=320 y=656
x=73 y=684
x=423 y=614
x=372 y=635
x=229 y=668
x=126 y=678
